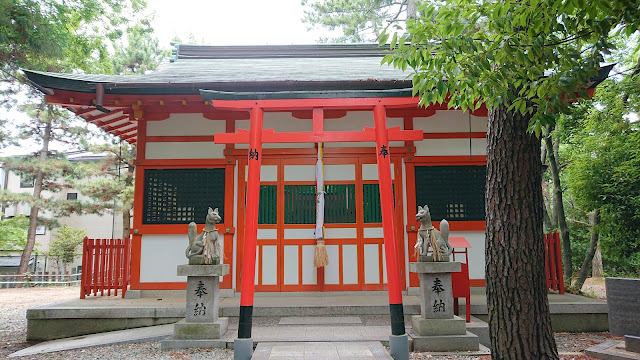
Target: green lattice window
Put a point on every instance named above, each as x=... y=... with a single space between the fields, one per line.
x=452 y=192
x=340 y=204
x=299 y=204
x=371 y=199
x=180 y=196
x=268 y=208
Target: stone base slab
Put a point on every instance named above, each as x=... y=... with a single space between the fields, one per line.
x=172 y=343
x=434 y=267
x=435 y=327
x=203 y=270
x=632 y=343
x=183 y=330
x=445 y=343
x=611 y=350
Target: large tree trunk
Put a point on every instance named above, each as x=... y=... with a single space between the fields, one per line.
x=593 y=245
x=519 y=320
x=558 y=208
x=33 y=215
x=597 y=269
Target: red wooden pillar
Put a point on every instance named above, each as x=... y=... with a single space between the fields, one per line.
x=251 y=224
x=388 y=220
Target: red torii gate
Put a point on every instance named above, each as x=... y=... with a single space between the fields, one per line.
x=256 y=136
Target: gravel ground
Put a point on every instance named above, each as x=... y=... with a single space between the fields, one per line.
x=13 y=328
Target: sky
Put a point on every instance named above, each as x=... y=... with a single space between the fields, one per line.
x=246 y=22
x=217 y=22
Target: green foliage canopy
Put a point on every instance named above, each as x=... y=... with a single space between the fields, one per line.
x=360 y=20
x=602 y=148
x=67 y=241
x=13 y=234
x=530 y=55
x=68 y=35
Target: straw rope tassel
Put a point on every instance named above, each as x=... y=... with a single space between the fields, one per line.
x=320 y=256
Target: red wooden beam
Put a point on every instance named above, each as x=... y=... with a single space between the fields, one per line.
x=127 y=137
x=187 y=138
x=83 y=112
x=308 y=104
x=455 y=135
x=329 y=114
x=118 y=127
x=93 y=119
x=269 y=136
x=109 y=122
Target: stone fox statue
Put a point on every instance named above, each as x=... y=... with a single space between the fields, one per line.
x=205 y=244
x=428 y=236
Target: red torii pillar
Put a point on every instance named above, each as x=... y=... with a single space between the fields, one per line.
x=380 y=134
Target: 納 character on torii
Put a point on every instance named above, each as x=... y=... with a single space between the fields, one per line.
x=256 y=136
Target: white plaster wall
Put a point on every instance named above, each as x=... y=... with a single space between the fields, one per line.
x=375 y=233
x=371 y=264
x=339 y=172
x=349 y=264
x=370 y=171
x=340 y=233
x=332 y=271
x=185 y=125
x=309 y=272
x=300 y=233
x=279 y=122
x=267 y=234
x=267 y=172
x=160 y=256
x=291 y=264
x=450 y=147
x=476 y=252
x=184 y=150
x=450 y=121
x=269 y=265
x=299 y=173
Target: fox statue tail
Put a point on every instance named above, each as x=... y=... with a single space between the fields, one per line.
x=444 y=232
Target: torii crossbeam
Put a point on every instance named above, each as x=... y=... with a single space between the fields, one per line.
x=256 y=136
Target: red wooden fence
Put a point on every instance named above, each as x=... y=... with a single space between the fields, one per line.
x=553 y=262
x=105 y=266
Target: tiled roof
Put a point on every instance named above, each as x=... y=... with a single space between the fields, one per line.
x=210 y=67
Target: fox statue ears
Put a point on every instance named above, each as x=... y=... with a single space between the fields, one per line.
x=425 y=208
x=213 y=211
x=419 y=208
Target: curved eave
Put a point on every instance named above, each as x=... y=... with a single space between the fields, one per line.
x=209 y=95
x=51 y=81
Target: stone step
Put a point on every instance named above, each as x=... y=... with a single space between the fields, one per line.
x=320 y=320
x=445 y=343
x=326 y=350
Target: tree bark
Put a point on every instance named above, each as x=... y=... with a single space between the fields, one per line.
x=33 y=215
x=593 y=245
x=597 y=270
x=126 y=210
x=558 y=208
x=519 y=320
x=411 y=9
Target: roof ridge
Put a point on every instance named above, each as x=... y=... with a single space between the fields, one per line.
x=195 y=51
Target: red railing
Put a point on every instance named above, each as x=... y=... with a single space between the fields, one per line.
x=553 y=262
x=105 y=266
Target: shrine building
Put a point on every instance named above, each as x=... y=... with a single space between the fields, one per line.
x=189 y=120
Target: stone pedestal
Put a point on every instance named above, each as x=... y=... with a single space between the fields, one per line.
x=437 y=328
x=201 y=327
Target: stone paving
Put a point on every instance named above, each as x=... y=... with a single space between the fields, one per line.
x=321 y=351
